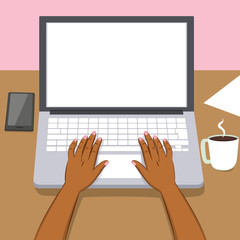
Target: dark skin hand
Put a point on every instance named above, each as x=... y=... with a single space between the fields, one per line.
x=159 y=173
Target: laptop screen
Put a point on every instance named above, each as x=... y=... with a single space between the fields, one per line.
x=116 y=64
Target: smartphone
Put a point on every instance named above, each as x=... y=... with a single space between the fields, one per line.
x=20 y=111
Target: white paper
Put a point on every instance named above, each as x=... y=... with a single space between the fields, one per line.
x=228 y=98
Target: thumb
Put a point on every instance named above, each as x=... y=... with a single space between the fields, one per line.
x=143 y=171
x=98 y=169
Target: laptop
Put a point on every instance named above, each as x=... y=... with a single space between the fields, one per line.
x=118 y=76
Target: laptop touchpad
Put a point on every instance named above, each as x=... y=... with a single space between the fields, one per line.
x=120 y=165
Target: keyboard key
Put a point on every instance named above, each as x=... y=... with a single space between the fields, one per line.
x=112 y=142
x=133 y=142
x=72 y=125
x=103 y=125
x=100 y=131
x=102 y=120
x=161 y=120
x=91 y=130
x=93 y=125
x=57 y=137
x=171 y=120
x=104 y=136
x=151 y=120
x=152 y=131
x=73 y=120
x=171 y=130
x=133 y=137
x=122 y=125
x=112 y=131
x=53 y=131
x=51 y=142
x=132 y=125
x=62 y=125
x=182 y=133
x=171 y=125
x=83 y=125
x=181 y=125
x=69 y=142
x=178 y=142
x=141 y=130
x=132 y=120
x=71 y=130
x=124 y=136
x=83 y=120
x=152 y=125
x=122 y=130
x=120 y=149
x=122 y=120
x=132 y=131
x=172 y=136
x=112 y=136
x=63 y=131
x=52 y=125
x=52 y=120
x=162 y=125
x=80 y=136
x=122 y=142
x=62 y=142
x=72 y=137
x=112 y=120
x=82 y=131
x=161 y=130
x=142 y=125
x=93 y=120
x=162 y=136
x=181 y=120
x=62 y=120
x=112 y=125
x=142 y=120
x=51 y=149
x=185 y=149
x=61 y=149
x=104 y=142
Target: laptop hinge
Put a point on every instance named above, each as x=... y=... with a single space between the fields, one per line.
x=68 y=112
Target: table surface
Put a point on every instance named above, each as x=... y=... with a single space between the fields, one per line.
x=115 y=213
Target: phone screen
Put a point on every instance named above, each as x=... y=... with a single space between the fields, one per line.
x=20 y=111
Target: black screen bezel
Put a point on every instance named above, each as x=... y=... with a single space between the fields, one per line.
x=43 y=20
x=15 y=127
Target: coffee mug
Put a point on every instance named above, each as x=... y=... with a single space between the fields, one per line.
x=223 y=151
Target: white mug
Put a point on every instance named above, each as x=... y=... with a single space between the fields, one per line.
x=223 y=154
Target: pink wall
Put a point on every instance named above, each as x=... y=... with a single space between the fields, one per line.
x=217 y=27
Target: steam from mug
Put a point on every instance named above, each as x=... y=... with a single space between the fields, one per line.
x=221 y=128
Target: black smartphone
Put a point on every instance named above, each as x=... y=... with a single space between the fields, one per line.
x=20 y=111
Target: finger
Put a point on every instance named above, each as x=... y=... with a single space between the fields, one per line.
x=88 y=146
x=151 y=146
x=98 y=169
x=94 y=152
x=72 y=148
x=159 y=146
x=143 y=171
x=168 y=148
x=80 y=148
x=145 y=151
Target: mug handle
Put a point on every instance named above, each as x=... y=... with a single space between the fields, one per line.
x=203 y=151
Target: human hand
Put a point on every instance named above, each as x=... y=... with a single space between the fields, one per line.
x=159 y=172
x=81 y=171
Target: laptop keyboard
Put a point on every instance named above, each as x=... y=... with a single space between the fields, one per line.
x=118 y=134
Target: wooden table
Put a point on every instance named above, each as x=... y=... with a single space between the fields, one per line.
x=115 y=214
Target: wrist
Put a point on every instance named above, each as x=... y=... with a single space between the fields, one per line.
x=72 y=189
x=168 y=189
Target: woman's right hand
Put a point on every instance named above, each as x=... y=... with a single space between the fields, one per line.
x=159 y=171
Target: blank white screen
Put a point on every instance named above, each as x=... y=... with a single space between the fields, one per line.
x=116 y=65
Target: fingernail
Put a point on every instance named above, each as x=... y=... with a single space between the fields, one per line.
x=99 y=139
x=106 y=163
x=146 y=133
x=75 y=140
x=155 y=137
x=85 y=137
x=94 y=133
x=164 y=139
x=140 y=139
x=133 y=163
